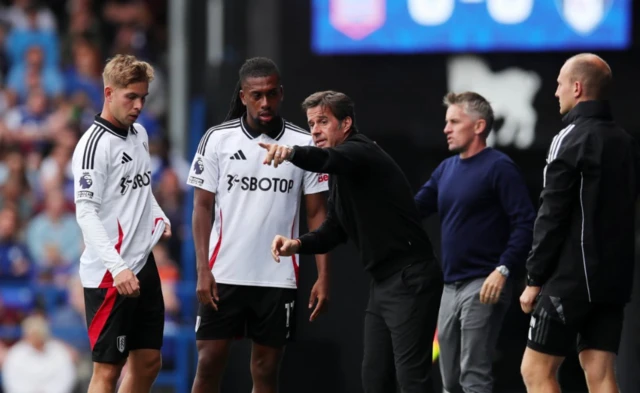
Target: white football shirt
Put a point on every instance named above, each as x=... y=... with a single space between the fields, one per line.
x=254 y=202
x=112 y=175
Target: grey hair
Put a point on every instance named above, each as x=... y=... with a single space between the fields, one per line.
x=473 y=103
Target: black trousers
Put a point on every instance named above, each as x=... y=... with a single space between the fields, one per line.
x=399 y=328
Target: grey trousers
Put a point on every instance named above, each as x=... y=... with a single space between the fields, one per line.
x=467 y=334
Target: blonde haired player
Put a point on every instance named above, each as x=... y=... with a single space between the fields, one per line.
x=121 y=222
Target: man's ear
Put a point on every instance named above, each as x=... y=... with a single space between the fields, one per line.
x=578 y=90
x=480 y=126
x=242 y=97
x=347 y=122
x=108 y=93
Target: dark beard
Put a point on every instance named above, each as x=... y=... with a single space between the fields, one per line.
x=273 y=125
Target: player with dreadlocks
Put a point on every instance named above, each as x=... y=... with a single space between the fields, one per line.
x=241 y=292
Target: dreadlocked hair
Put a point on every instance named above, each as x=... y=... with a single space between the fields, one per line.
x=256 y=67
x=236 y=108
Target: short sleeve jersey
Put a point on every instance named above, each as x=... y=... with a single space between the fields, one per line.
x=253 y=202
x=112 y=168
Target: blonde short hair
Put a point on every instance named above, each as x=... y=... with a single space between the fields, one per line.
x=123 y=70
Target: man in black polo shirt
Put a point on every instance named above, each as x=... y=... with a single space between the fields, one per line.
x=372 y=203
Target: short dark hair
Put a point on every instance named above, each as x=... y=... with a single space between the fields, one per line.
x=473 y=103
x=340 y=105
x=594 y=73
x=256 y=67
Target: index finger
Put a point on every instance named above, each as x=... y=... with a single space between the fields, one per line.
x=264 y=145
x=317 y=309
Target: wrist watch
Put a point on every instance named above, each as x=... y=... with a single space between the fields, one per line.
x=503 y=270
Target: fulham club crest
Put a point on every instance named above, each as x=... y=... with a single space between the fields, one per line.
x=583 y=16
x=122 y=343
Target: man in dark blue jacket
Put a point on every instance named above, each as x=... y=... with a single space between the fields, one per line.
x=487 y=220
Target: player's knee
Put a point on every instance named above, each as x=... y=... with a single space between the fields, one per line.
x=264 y=367
x=597 y=366
x=595 y=375
x=107 y=373
x=528 y=372
x=534 y=372
x=211 y=361
x=149 y=366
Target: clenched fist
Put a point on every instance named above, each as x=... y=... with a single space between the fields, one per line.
x=528 y=298
x=283 y=246
x=127 y=283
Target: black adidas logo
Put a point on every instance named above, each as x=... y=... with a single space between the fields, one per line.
x=239 y=156
x=125 y=158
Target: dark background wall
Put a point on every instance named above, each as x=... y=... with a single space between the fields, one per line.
x=398 y=103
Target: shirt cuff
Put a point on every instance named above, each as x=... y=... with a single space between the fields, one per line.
x=118 y=268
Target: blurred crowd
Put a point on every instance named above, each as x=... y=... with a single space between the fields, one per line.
x=51 y=58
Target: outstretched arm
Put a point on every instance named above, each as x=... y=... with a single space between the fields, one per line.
x=343 y=159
